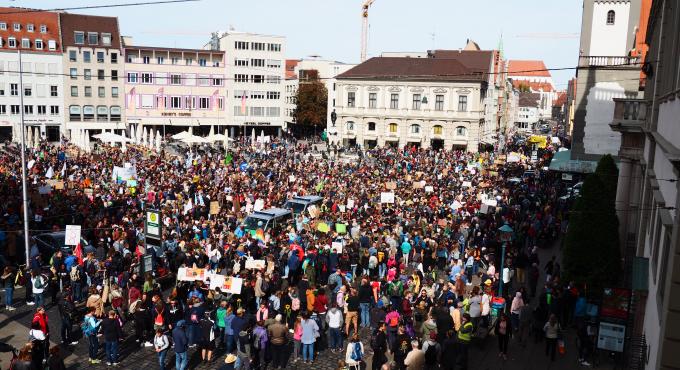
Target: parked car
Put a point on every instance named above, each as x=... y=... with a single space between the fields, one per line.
x=49 y=243
x=300 y=204
x=272 y=218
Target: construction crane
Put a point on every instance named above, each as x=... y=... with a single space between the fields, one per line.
x=364 y=28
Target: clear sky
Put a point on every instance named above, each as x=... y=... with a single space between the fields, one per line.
x=532 y=29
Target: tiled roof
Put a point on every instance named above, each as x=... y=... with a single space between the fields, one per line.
x=474 y=59
x=23 y=16
x=527 y=99
x=413 y=69
x=561 y=99
x=89 y=23
x=290 y=68
x=535 y=68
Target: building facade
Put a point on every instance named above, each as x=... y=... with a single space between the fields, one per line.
x=437 y=103
x=172 y=90
x=291 y=88
x=36 y=36
x=93 y=73
x=528 y=112
x=255 y=69
x=648 y=198
x=533 y=76
x=607 y=69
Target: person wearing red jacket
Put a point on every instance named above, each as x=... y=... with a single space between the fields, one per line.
x=41 y=318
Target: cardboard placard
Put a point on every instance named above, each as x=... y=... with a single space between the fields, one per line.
x=252 y=264
x=214 y=207
x=429 y=189
x=323 y=227
x=190 y=274
x=467 y=184
x=391 y=185
x=350 y=203
x=227 y=284
x=313 y=211
x=387 y=197
x=337 y=247
x=418 y=184
x=72 y=235
x=341 y=228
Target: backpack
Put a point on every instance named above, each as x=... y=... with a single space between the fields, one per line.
x=372 y=263
x=38 y=283
x=357 y=353
x=394 y=289
x=75 y=274
x=431 y=354
x=86 y=327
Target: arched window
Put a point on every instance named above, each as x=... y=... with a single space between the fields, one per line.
x=371 y=126
x=88 y=113
x=74 y=113
x=115 y=113
x=102 y=113
x=437 y=130
x=393 y=128
x=461 y=131
x=611 y=17
x=350 y=126
x=415 y=129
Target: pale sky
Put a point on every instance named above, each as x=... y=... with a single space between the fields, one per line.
x=532 y=29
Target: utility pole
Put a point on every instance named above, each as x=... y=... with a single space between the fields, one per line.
x=24 y=189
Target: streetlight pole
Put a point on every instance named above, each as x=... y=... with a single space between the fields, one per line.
x=501 y=283
x=24 y=191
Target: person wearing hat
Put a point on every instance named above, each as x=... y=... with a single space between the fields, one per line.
x=231 y=362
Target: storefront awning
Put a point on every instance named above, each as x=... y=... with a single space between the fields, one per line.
x=562 y=162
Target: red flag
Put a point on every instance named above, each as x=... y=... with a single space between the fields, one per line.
x=79 y=254
x=243 y=103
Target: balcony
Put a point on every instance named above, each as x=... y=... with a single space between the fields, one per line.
x=609 y=61
x=629 y=114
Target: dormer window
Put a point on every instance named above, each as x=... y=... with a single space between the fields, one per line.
x=17 y=27
x=3 y=26
x=79 y=37
x=43 y=28
x=30 y=27
x=93 y=38
x=611 y=17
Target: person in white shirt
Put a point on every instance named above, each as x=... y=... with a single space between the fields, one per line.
x=161 y=345
x=334 y=319
x=355 y=352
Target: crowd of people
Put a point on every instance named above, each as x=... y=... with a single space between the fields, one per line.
x=418 y=278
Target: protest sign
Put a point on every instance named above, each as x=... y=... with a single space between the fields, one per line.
x=418 y=184
x=191 y=274
x=391 y=185
x=429 y=189
x=59 y=185
x=442 y=222
x=337 y=247
x=227 y=284
x=259 y=205
x=124 y=173
x=252 y=264
x=45 y=189
x=72 y=235
x=350 y=203
x=342 y=208
x=313 y=211
x=341 y=228
x=323 y=227
x=387 y=197
x=214 y=207
x=467 y=184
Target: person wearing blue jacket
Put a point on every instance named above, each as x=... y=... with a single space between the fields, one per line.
x=180 y=345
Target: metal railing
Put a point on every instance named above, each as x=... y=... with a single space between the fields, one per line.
x=609 y=61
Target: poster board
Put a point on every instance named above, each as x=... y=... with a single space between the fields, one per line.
x=341 y=228
x=191 y=274
x=214 y=207
x=418 y=184
x=387 y=197
x=152 y=224
x=72 y=234
x=313 y=211
x=391 y=185
x=252 y=264
x=337 y=247
x=467 y=184
x=227 y=284
x=350 y=203
x=429 y=189
x=323 y=227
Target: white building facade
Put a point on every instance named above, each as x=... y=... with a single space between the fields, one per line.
x=421 y=111
x=255 y=82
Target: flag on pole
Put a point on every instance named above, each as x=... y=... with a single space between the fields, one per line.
x=243 y=104
x=79 y=254
x=228 y=159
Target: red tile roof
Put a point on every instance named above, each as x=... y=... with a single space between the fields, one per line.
x=534 y=68
x=89 y=23
x=561 y=99
x=25 y=16
x=290 y=68
x=413 y=69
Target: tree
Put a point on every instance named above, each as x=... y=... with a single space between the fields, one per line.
x=591 y=250
x=524 y=88
x=312 y=100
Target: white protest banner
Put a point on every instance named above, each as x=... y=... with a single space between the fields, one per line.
x=429 y=189
x=350 y=203
x=342 y=208
x=467 y=184
x=513 y=158
x=456 y=205
x=259 y=205
x=313 y=211
x=337 y=247
x=191 y=274
x=124 y=173
x=252 y=264
x=387 y=197
x=72 y=235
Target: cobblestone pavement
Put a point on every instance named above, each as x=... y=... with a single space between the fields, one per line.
x=484 y=356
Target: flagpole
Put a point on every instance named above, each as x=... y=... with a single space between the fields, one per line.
x=24 y=191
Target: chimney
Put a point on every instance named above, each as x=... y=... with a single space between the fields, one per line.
x=460 y=50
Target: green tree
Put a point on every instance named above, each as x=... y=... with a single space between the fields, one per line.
x=524 y=88
x=591 y=250
x=312 y=99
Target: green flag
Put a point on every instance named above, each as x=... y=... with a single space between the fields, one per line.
x=228 y=159
x=319 y=186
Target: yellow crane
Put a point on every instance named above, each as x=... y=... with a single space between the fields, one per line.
x=364 y=27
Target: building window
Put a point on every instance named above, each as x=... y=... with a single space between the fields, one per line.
x=54 y=110
x=259 y=95
x=88 y=91
x=131 y=58
x=240 y=45
x=15 y=109
x=101 y=91
x=87 y=56
x=462 y=103
x=350 y=126
x=216 y=64
x=28 y=109
x=72 y=56
x=371 y=126
x=3 y=109
x=351 y=99
x=415 y=129
x=115 y=113
x=30 y=27
x=88 y=113
x=79 y=37
x=12 y=42
x=257 y=46
x=273 y=79
x=437 y=130
x=204 y=103
x=114 y=92
x=176 y=102
x=114 y=75
x=257 y=62
x=3 y=26
x=74 y=73
x=439 y=102
x=241 y=62
x=100 y=57
x=28 y=90
x=17 y=27
x=43 y=28
x=93 y=38
x=188 y=61
x=257 y=79
x=394 y=101
x=175 y=79
x=102 y=113
x=132 y=77
x=174 y=60
x=202 y=62
x=417 y=99
x=393 y=128
x=14 y=89
x=42 y=110
x=611 y=17
x=373 y=101
x=273 y=63
x=52 y=45
x=160 y=60
x=217 y=81
x=54 y=91
x=114 y=58
x=26 y=43
x=146 y=59
x=106 y=39
x=87 y=74
x=100 y=74
x=147 y=78
x=461 y=131
x=274 y=47
x=273 y=95
x=38 y=44
x=240 y=78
